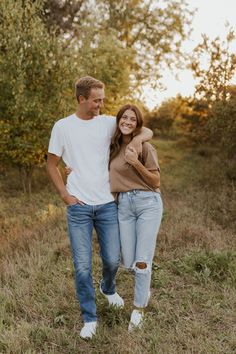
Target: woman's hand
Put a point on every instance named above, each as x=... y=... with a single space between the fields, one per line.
x=136 y=143
x=131 y=155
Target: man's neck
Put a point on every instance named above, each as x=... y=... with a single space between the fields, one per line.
x=83 y=115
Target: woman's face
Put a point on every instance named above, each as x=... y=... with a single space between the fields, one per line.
x=128 y=122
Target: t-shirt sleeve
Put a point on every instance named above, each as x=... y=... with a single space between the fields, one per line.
x=149 y=157
x=56 y=143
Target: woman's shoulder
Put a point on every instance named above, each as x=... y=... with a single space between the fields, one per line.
x=148 y=152
x=149 y=155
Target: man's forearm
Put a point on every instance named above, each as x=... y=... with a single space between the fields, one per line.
x=57 y=180
x=145 y=134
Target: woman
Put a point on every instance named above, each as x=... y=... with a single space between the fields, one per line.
x=136 y=181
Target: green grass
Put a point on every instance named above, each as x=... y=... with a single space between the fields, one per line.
x=192 y=309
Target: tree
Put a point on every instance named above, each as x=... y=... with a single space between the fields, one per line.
x=213 y=66
x=194 y=120
x=35 y=75
x=153 y=31
x=66 y=16
x=222 y=124
x=168 y=120
x=105 y=61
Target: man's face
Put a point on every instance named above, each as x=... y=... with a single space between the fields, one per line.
x=94 y=102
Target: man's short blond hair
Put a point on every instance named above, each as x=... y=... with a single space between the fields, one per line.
x=84 y=85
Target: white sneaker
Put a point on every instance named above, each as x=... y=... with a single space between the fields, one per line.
x=114 y=300
x=136 y=320
x=88 y=330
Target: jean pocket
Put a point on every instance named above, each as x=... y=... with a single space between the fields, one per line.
x=123 y=202
x=72 y=205
x=147 y=201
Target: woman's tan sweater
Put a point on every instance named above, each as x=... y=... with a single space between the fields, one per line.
x=124 y=177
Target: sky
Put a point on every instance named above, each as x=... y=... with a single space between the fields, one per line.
x=210 y=19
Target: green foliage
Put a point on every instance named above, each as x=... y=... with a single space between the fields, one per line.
x=219 y=266
x=194 y=120
x=65 y=16
x=222 y=125
x=175 y=117
x=213 y=65
x=105 y=61
x=214 y=125
x=152 y=30
x=161 y=120
x=35 y=72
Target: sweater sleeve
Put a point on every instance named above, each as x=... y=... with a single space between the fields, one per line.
x=149 y=157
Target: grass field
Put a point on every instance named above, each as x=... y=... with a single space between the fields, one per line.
x=192 y=308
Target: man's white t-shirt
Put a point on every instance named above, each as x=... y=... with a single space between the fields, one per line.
x=84 y=145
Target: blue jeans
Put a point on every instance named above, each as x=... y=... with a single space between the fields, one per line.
x=81 y=220
x=139 y=214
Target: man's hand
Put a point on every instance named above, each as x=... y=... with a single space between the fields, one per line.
x=68 y=170
x=131 y=156
x=136 y=143
x=71 y=200
x=57 y=180
x=145 y=134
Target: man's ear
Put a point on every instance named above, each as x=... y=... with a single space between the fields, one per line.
x=81 y=99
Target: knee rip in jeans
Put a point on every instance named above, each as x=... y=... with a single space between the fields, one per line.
x=142 y=267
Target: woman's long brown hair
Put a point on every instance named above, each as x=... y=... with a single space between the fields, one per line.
x=116 y=141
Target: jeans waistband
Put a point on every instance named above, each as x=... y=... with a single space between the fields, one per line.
x=137 y=191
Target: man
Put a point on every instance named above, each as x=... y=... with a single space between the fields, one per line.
x=82 y=140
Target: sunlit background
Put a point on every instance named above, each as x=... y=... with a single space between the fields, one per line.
x=211 y=18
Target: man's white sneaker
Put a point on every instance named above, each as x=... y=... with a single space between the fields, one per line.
x=114 y=300
x=88 y=330
x=136 y=320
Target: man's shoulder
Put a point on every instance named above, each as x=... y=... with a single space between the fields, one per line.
x=108 y=122
x=64 y=121
x=106 y=117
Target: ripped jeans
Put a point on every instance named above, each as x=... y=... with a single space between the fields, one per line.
x=139 y=214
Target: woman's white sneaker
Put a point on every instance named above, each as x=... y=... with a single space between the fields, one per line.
x=136 y=320
x=88 y=330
